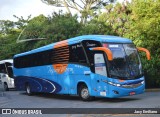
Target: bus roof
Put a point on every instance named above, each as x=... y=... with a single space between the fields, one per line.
x=7 y=60
x=101 y=38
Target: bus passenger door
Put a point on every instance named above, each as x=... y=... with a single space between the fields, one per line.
x=100 y=73
x=100 y=66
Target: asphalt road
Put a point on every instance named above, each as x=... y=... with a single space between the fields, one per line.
x=17 y=99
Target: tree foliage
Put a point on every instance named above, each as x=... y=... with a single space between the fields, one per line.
x=117 y=17
x=145 y=31
x=84 y=7
x=22 y=23
x=6 y=27
x=34 y=28
x=139 y=21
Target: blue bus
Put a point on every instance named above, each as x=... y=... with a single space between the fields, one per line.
x=88 y=66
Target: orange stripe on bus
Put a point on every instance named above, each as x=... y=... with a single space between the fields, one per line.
x=62 y=51
x=62 y=45
x=106 y=50
x=146 y=51
x=121 y=80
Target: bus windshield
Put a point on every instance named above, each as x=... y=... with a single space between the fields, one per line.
x=126 y=62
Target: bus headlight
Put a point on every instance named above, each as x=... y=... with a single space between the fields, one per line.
x=114 y=84
x=142 y=82
x=118 y=85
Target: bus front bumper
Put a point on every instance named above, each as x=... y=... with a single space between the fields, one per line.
x=115 y=92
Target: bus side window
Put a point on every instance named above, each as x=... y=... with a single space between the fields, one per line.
x=77 y=54
x=2 y=68
x=10 y=72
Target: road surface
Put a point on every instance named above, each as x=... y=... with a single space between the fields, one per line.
x=19 y=99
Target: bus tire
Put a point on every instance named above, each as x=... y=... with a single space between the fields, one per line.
x=6 y=87
x=84 y=93
x=28 y=90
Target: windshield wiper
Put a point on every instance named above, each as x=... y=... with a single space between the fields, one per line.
x=118 y=77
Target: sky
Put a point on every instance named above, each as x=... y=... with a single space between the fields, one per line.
x=24 y=8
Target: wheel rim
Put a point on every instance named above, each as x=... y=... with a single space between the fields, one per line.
x=28 y=90
x=84 y=93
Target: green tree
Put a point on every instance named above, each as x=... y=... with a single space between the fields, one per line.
x=95 y=27
x=84 y=7
x=6 y=27
x=9 y=32
x=139 y=21
x=61 y=26
x=8 y=44
x=34 y=28
x=145 y=31
x=117 y=17
x=22 y=23
x=52 y=28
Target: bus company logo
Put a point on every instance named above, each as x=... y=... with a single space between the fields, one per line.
x=6 y=111
x=60 y=68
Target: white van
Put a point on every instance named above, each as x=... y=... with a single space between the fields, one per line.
x=6 y=74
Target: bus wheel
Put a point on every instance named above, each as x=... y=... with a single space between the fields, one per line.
x=6 y=87
x=84 y=93
x=28 y=90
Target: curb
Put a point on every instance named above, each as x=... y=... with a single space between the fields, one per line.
x=152 y=90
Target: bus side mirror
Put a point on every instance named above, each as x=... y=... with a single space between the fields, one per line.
x=105 y=50
x=146 y=51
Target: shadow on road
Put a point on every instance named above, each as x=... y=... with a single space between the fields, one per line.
x=71 y=97
x=113 y=100
x=55 y=96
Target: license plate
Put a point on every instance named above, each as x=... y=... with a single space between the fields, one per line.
x=103 y=93
x=132 y=93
